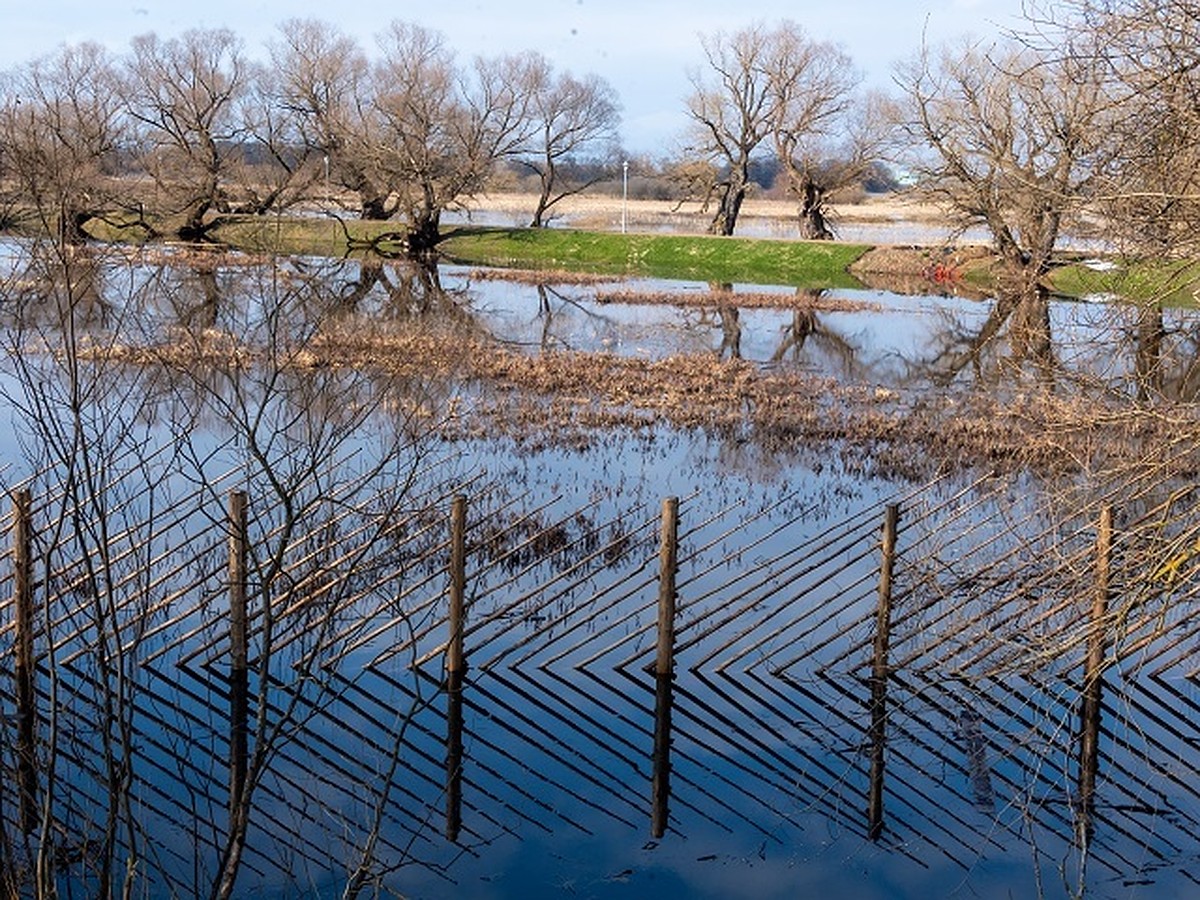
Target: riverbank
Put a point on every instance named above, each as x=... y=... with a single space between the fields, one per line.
x=667 y=240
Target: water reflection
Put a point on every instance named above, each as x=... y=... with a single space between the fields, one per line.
x=1019 y=323
x=758 y=755
x=1010 y=342
x=554 y=303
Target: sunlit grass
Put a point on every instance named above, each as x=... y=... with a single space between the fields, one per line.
x=316 y=236
x=693 y=257
x=1170 y=283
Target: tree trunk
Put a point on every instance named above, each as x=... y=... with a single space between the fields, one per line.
x=373 y=209
x=1148 y=367
x=71 y=227
x=813 y=226
x=725 y=220
x=424 y=234
x=543 y=203
x=539 y=212
x=194 y=228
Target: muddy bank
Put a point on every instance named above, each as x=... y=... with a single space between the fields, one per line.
x=962 y=271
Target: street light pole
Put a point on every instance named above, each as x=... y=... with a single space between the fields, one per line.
x=624 y=192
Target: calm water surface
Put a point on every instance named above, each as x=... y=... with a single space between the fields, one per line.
x=770 y=747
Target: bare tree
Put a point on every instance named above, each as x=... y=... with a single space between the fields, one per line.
x=1011 y=139
x=776 y=89
x=61 y=138
x=812 y=86
x=1150 y=51
x=275 y=167
x=412 y=134
x=442 y=131
x=324 y=81
x=572 y=117
x=183 y=93
x=732 y=114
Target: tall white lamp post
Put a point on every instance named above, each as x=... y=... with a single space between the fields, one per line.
x=624 y=192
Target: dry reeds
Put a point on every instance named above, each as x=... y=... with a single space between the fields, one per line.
x=551 y=398
x=807 y=300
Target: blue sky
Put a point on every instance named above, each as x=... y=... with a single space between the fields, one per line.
x=644 y=49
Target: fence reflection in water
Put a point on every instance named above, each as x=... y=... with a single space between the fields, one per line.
x=758 y=693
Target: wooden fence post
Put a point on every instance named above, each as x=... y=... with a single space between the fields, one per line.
x=239 y=678
x=879 y=672
x=1093 y=677
x=668 y=554
x=455 y=658
x=664 y=667
x=25 y=664
x=456 y=666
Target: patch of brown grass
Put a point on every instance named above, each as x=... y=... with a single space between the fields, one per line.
x=542 y=276
x=806 y=300
x=559 y=398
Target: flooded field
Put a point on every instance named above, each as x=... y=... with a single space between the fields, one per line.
x=998 y=700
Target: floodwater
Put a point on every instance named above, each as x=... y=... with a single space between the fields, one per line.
x=536 y=778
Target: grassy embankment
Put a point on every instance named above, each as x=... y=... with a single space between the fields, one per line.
x=1170 y=283
x=692 y=257
x=700 y=258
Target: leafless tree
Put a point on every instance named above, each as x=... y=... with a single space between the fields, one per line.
x=1011 y=139
x=732 y=115
x=571 y=117
x=775 y=88
x=275 y=168
x=1150 y=52
x=324 y=81
x=61 y=126
x=812 y=86
x=183 y=95
x=413 y=133
x=442 y=130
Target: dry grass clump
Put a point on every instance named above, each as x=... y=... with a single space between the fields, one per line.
x=208 y=347
x=806 y=300
x=875 y=429
x=542 y=276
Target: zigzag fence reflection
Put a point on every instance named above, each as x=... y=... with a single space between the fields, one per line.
x=1027 y=671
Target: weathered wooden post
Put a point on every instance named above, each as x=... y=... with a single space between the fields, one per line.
x=24 y=665
x=456 y=665
x=879 y=672
x=239 y=678
x=1093 y=678
x=455 y=661
x=664 y=667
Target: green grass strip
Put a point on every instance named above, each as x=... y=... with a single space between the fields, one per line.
x=809 y=264
x=1169 y=283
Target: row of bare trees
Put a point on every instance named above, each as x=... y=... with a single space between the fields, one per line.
x=776 y=90
x=177 y=131
x=1087 y=118
x=1084 y=116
